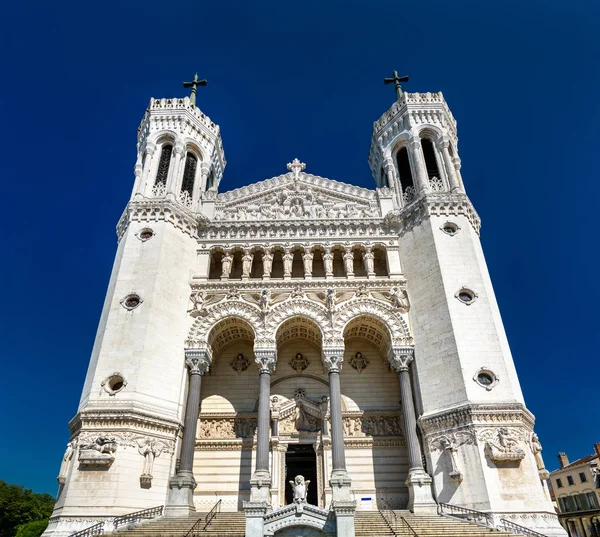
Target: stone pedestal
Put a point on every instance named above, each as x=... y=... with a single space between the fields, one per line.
x=180 y=501
x=420 y=500
x=255 y=518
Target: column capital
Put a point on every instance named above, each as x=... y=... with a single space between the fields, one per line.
x=266 y=360
x=179 y=147
x=333 y=358
x=414 y=141
x=150 y=148
x=443 y=143
x=401 y=357
x=198 y=361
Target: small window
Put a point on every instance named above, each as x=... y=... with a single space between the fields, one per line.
x=163 y=165
x=592 y=499
x=559 y=484
x=189 y=174
x=583 y=477
x=570 y=480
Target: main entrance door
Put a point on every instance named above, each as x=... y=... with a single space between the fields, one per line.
x=301 y=459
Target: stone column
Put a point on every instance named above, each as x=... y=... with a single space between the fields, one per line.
x=139 y=191
x=180 y=501
x=420 y=497
x=260 y=483
x=342 y=503
x=173 y=178
x=390 y=170
x=421 y=179
x=449 y=165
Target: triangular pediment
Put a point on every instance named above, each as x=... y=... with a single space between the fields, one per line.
x=297 y=196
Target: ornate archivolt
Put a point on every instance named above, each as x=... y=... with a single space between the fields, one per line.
x=363 y=305
x=324 y=316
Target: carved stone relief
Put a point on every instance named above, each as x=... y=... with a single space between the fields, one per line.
x=299 y=363
x=503 y=444
x=449 y=444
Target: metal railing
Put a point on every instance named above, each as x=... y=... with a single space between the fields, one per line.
x=388 y=515
x=485 y=519
x=138 y=516
x=507 y=525
x=92 y=531
x=198 y=528
x=470 y=515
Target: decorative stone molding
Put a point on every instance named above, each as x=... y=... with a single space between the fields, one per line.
x=433 y=204
x=477 y=416
x=486 y=378
x=148 y=210
x=227 y=427
x=114 y=383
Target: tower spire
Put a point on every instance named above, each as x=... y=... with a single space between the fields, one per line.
x=396 y=81
x=194 y=84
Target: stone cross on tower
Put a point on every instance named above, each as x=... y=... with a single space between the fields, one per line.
x=396 y=80
x=296 y=166
x=194 y=84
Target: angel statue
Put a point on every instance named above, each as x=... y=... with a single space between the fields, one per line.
x=300 y=488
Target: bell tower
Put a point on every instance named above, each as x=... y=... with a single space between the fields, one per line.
x=475 y=429
x=126 y=434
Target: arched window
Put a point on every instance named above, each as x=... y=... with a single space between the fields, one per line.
x=163 y=165
x=189 y=174
x=430 y=160
x=405 y=173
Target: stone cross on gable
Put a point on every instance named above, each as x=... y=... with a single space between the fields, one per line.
x=296 y=166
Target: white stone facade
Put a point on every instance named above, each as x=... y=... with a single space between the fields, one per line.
x=285 y=280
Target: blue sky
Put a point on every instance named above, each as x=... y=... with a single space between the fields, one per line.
x=289 y=80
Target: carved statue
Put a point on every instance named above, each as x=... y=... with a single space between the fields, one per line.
x=226 y=263
x=399 y=298
x=267 y=263
x=536 y=447
x=304 y=421
x=64 y=465
x=505 y=448
x=300 y=488
x=369 y=260
x=328 y=262
x=265 y=299
x=349 y=262
x=102 y=444
x=247 y=264
x=308 y=263
x=149 y=449
x=288 y=259
x=330 y=298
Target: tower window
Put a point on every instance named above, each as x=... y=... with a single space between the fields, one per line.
x=163 y=165
x=405 y=173
x=430 y=160
x=189 y=174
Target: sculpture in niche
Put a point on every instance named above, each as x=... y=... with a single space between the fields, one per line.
x=267 y=260
x=349 y=262
x=359 y=361
x=307 y=258
x=299 y=363
x=328 y=263
x=226 y=263
x=369 y=260
x=64 y=465
x=288 y=259
x=300 y=488
x=247 y=264
x=504 y=448
x=240 y=363
x=100 y=452
x=536 y=448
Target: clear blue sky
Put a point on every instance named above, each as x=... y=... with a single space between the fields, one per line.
x=287 y=80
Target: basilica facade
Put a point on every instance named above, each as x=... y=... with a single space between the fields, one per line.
x=301 y=326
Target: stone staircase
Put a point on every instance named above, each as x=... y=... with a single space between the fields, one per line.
x=367 y=524
x=222 y=525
